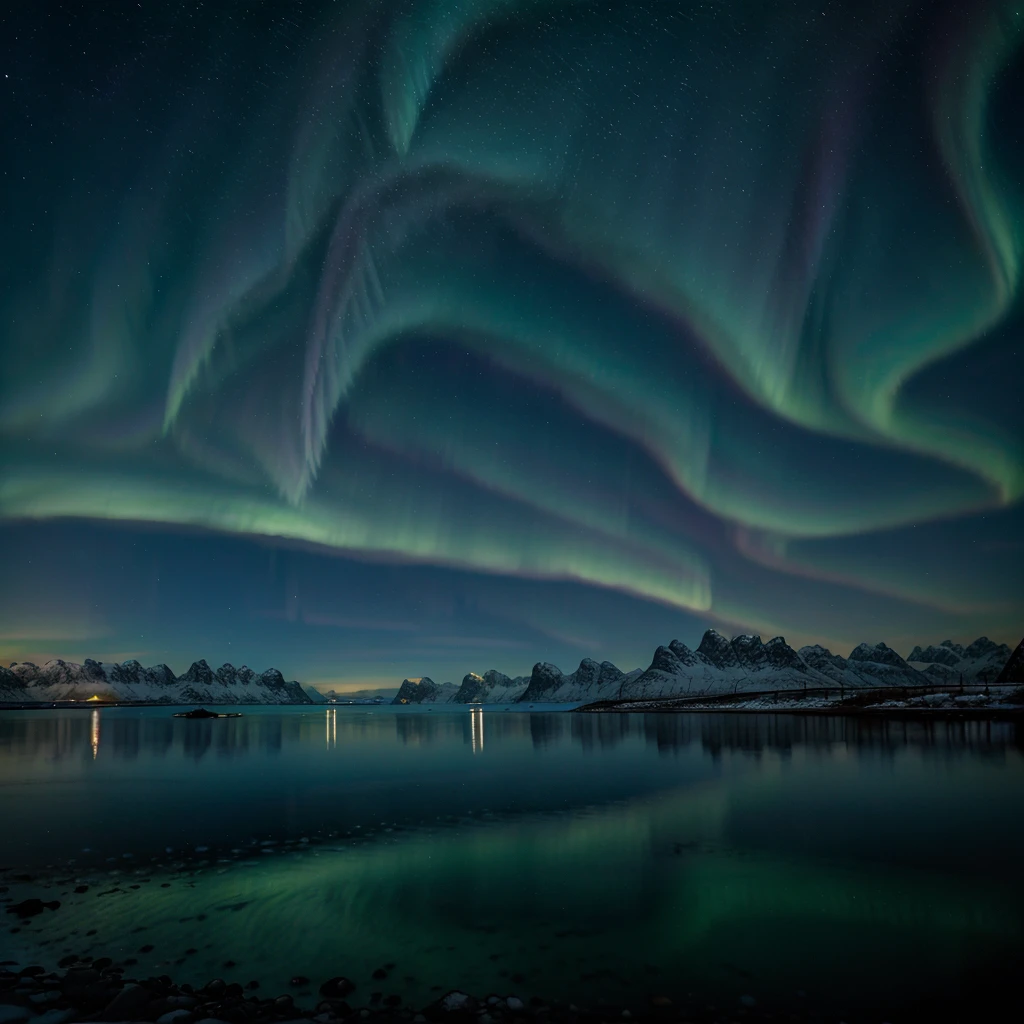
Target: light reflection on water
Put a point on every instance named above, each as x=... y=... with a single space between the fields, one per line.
x=591 y=856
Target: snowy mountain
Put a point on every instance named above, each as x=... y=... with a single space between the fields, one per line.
x=590 y=681
x=130 y=681
x=979 y=662
x=720 y=665
x=425 y=691
x=492 y=687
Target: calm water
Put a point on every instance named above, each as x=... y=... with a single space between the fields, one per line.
x=841 y=864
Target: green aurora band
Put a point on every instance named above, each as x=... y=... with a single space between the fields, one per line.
x=689 y=302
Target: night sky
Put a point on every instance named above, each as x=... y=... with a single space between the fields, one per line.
x=373 y=339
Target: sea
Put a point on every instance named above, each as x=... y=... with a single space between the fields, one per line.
x=799 y=864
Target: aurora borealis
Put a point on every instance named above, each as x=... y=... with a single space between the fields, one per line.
x=415 y=337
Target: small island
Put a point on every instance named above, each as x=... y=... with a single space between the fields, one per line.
x=203 y=713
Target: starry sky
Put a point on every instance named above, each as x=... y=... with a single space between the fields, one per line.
x=379 y=338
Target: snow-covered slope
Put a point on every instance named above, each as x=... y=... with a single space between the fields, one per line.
x=880 y=666
x=591 y=681
x=719 y=665
x=425 y=691
x=130 y=681
x=492 y=687
x=979 y=662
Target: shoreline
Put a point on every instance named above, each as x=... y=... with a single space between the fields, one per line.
x=994 y=713
x=923 y=714
x=101 y=989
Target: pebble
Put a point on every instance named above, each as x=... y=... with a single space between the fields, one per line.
x=336 y=988
x=54 y=1017
x=49 y=996
x=11 y=1014
x=457 y=1001
x=174 y=1017
x=128 y=1004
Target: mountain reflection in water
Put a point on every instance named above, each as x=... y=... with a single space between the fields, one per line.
x=53 y=735
x=859 y=861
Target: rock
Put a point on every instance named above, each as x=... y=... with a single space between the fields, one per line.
x=336 y=988
x=79 y=977
x=214 y=989
x=457 y=1002
x=181 y=1016
x=32 y=907
x=283 y=1004
x=128 y=1004
x=298 y=981
x=81 y=888
x=54 y=1017
x=514 y=1003
x=49 y=996
x=27 y=908
x=13 y=1014
x=660 y=1001
x=379 y=974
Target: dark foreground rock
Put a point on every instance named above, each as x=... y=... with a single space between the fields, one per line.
x=89 y=990
x=32 y=907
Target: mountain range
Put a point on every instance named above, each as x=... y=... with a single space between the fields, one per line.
x=130 y=681
x=719 y=665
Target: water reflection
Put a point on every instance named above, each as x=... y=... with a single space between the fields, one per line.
x=476 y=725
x=58 y=735
x=578 y=850
x=332 y=727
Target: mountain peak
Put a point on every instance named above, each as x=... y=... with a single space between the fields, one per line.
x=716 y=650
x=879 y=653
